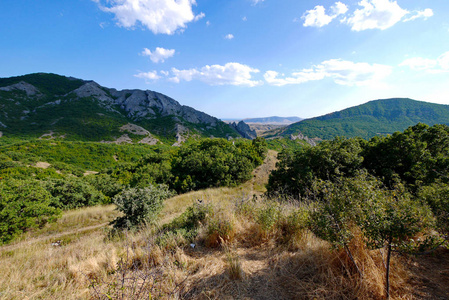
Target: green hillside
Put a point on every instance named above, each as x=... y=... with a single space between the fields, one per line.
x=378 y=117
x=55 y=106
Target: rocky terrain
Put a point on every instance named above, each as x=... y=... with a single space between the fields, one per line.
x=38 y=104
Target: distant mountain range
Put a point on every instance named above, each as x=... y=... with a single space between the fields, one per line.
x=378 y=117
x=274 y=120
x=50 y=105
x=267 y=120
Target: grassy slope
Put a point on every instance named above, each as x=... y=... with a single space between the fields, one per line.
x=254 y=265
x=373 y=118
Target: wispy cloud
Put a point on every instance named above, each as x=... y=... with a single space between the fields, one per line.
x=148 y=76
x=424 y=14
x=341 y=71
x=438 y=65
x=159 y=16
x=228 y=74
x=158 y=55
x=229 y=36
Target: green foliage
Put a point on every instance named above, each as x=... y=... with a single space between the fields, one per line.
x=418 y=156
x=215 y=162
x=24 y=204
x=297 y=171
x=105 y=184
x=436 y=196
x=185 y=227
x=72 y=192
x=268 y=217
x=371 y=119
x=50 y=84
x=139 y=205
x=280 y=143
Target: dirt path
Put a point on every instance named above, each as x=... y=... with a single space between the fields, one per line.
x=53 y=237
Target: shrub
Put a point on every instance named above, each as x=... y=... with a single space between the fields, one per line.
x=220 y=230
x=72 y=192
x=187 y=224
x=24 y=204
x=140 y=206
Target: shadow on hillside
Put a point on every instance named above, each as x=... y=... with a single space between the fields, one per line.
x=284 y=276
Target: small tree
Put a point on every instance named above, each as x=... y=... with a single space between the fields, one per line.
x=391 y=219
x=140 y=205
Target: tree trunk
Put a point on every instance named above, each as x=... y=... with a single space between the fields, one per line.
x=387 y=272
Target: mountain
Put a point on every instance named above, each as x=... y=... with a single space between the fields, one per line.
x=378 y=117
x=50 y=105
x=273 y=120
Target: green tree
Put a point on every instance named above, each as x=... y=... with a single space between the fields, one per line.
x=24 y=204
x=72 y=192
x=296 y=171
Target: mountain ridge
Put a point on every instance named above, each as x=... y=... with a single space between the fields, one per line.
x=41 y=103
x=376 y=117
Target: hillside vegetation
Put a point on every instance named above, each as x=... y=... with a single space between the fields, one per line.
x=54 y=106
x=39 y=179
x=228 y=245
x=379 y=117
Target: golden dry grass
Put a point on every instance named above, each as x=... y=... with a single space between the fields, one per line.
x=247 y=260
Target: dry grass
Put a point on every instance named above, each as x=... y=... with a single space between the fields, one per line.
x=237 y=254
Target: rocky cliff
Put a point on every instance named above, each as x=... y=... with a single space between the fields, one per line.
x=37 y=104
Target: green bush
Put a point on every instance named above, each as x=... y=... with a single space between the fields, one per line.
x=139 y=205
x=24 y=204
x=72 y=192
x=185 y=227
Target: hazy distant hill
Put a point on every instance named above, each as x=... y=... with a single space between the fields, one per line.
x=48 y=104
x=370 y=119
x=273 y=120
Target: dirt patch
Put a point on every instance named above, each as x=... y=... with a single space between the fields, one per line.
x=134 y=129
x=430 y=274
x=42 y=165
x=90 y=173
x=149 y=140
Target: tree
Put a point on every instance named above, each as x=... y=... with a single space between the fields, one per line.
x=24 y=204
x=391 y=219
x=296 y=171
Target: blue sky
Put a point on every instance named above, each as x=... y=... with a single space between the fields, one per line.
x=238 y=58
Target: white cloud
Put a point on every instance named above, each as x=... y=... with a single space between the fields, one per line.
x=419 y=63
x=372 y=14
x=339 y=8
x=152 y=75
x=317 y=17
x=257 y=1
x=439 y=65
x=341 y=71
x=158 y=55
x=159 y=16
x=229 y=36
x=376 y=14
x=199 y=17
x=443 y=61
x=425 y=14
x=229 y=74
